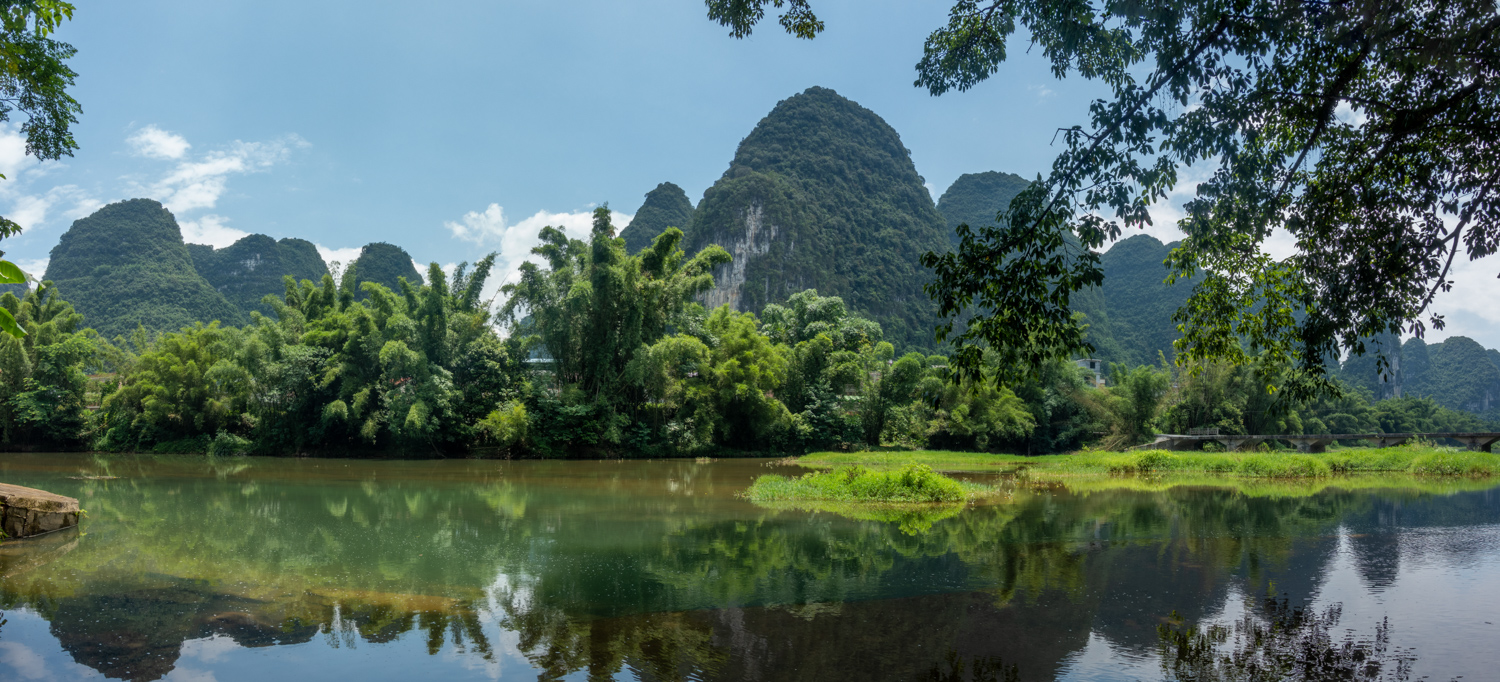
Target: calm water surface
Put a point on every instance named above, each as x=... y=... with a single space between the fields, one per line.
x=256 y=569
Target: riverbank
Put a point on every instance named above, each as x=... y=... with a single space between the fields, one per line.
x=1421 y=460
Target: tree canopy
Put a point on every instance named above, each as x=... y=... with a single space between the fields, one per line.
x=1364 y=130
x=34 y=80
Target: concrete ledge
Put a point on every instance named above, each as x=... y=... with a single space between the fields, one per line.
x=25 y=512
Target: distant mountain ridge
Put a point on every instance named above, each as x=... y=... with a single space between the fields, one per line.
x=1456 y=373
x=126 y=265
x=1130 y=317
x=253 y=267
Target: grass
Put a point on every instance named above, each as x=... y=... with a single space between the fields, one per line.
x=1417 y=459
x=912 y=483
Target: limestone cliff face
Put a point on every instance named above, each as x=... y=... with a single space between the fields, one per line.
x=752 y=241
x=823 y=195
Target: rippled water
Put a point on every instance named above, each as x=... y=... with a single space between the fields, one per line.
x=250 y=569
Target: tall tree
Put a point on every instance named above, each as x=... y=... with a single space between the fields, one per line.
x=1365 y=129
x=34 y=80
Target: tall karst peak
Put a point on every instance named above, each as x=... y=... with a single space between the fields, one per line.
x=666 y=206
x=823 y=195
x=385 y=264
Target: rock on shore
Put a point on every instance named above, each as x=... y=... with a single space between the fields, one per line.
x=27 y=511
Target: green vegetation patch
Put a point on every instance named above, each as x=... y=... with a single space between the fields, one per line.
x=912 y=483
x=1425 y=460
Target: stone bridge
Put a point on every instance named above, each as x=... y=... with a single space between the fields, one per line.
x=1315 y=443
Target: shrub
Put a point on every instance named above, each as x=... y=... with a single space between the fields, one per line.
x=226 y=444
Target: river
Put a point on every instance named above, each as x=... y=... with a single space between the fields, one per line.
x=186 y=568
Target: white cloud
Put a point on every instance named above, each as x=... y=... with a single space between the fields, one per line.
x=1042 y=91
x=199 y=184
x=31 y=210
x=35 y=267
x=13 y=157
x=343 y=257
x=513 y=241
x=931 y=190
x=1472 y=307
x=211 y=230
x=153 y=142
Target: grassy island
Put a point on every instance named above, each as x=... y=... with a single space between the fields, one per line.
x=1417 y=459
x=912 y=496
x=912 y=483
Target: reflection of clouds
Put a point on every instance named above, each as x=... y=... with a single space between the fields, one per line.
x=190 y=675
x=507 y=590
x=208 y=649
x=23 y=661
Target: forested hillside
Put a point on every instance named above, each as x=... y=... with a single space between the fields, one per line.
x=1137 y=302
x=822 y=195
x=976 y=199
x=126 y=265
x=385 y=264
x=246 y=271
x=666 y=206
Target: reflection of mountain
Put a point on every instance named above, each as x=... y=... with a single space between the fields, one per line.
x=654 y=567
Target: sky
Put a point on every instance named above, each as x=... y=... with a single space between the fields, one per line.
x=455 y=129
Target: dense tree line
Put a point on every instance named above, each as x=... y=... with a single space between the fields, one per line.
x=605 y=353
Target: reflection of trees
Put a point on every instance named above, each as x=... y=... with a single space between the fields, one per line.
x=1279 y=641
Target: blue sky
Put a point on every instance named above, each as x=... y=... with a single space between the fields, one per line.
x=456 y=128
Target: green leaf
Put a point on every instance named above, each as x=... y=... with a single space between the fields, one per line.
x=9 y=326
x=10 y=274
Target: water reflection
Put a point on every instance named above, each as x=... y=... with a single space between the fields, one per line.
x=655 y=570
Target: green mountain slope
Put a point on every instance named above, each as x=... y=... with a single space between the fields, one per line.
x=976 y=199
x=1137 y=302
x=666 y=206
x=1130 y=316
x=822 y=195
x=249 y=269
x=385 y=263
x=127 y=265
